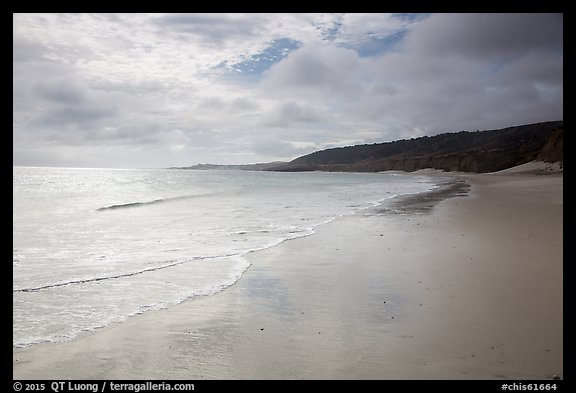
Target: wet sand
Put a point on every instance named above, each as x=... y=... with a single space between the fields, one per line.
x=466 y=287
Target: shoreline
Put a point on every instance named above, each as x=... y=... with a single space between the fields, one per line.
x=424 y=294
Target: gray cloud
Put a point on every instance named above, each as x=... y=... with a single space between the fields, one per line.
x=25 y=51
x=487 y=37
x=291 y=113
x=74 y=117
x=54 y=103
x=211 y=29
x=214 y=106
x=314 y=68
x=243 y=104
x=447 y=79
x=61 y=92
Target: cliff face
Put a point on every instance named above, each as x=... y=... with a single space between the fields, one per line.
x=553 y=150
x=480 y=151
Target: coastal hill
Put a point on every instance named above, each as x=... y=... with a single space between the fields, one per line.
x=479 y=151
x=464 y=151
x=246 y=167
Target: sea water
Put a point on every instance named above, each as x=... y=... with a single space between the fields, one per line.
x=93 y=247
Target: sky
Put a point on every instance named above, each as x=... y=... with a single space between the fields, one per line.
x=163 y=90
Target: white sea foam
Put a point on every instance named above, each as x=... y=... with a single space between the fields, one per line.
x=94 y=247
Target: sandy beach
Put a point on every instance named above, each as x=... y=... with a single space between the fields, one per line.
x=458 y=288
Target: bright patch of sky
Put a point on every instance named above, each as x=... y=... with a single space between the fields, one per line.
x=257 y=63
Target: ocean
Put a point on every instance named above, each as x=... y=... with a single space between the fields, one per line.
x=92 y=247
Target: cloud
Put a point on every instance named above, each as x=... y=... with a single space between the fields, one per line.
x=225 y=104
x=211 y=29
x=316 y=69
x=290 y=113
x=486 y=37
x=357 y=29
x=60 y=91
x=271 y=147
x=74 y=117
x=176 y=89
x=26 y=51
x=443 y=80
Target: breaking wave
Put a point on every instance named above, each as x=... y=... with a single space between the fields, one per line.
x=155 y=201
